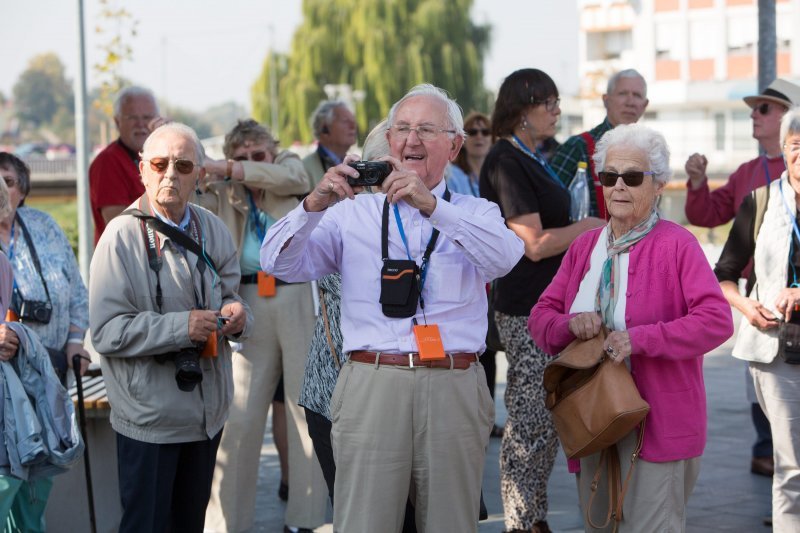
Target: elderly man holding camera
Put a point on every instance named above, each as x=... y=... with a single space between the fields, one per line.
x=163 y=299
x=411 y=410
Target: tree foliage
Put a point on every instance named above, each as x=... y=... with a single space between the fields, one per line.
x=381 y=47
x=42 y=90
x=117 y=27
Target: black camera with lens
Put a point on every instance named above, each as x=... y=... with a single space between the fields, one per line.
x=371 y=173
x=32 y=310
x=187 y=367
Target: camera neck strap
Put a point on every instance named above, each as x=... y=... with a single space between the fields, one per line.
x=34 y=255
x=423 y=269
x=150 y=225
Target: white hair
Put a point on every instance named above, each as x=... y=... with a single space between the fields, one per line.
x=132 y=92
x=627 y=73
x=180 y=129
x=638 y=136
x=454 y=117
x=376 y=144
x=790 y=123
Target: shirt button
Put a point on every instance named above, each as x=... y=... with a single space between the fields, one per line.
x=628 y=294
x=416 y=223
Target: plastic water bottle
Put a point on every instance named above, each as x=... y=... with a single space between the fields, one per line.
x=579 y=194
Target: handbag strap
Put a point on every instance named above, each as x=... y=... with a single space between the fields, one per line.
x=616 y=490
x=324 y=308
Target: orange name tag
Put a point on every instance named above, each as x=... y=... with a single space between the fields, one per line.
x=11 y=316
x=210 y=348
x=266 y=284
x=429 y=342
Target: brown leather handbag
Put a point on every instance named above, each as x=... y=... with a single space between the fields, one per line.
x=594 y=401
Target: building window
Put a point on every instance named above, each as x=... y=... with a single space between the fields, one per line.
x=604 y=45
x=742 y=131
x=703 y=38
x=742 y=34
x=668 y=34
x=719 y=132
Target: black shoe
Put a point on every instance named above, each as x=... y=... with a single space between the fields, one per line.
x=283 y=491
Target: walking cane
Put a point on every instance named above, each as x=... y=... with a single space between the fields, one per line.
x=76 y=368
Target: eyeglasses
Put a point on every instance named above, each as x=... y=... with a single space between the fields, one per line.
x=11 y=182
x=550 y=104
x=424 y=132
x=475 y=131
x=160 y=165
x=252 y=156
x=138 y=118
x=632 y=178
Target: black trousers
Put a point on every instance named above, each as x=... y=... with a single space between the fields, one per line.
x=165 y=487
x=319 y=429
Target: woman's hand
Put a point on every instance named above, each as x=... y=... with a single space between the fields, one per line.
x=787 y=302
x=9 y=342
x=72 y=350
x=618 y=345
x=585 y=325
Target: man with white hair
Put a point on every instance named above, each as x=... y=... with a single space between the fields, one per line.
x=114 y=180
x=625 y=102
x=411 y=410
x=334 y=127
x=163 y=304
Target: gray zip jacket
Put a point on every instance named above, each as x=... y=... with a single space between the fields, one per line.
x=128 y=330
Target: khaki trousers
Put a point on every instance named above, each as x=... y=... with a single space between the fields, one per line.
x=278 y=343
x=656 y=497
x=778 y=391
x=401 y=431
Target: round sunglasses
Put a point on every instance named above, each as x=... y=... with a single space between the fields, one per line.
x=631 y=178
x=472 y=132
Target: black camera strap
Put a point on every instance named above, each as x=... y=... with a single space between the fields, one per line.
x=428 y=249
x=150 y=225
x=34 y=255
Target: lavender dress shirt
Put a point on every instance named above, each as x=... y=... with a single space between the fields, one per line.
x=474 y=247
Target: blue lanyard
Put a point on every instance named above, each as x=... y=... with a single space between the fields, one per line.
x=536 y=156
x=793 y=217
x=261 y=228
x=11 y=243
x=766 y=170
x=423 y=269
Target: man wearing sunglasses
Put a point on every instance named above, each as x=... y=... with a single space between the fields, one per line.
x=625 y=102
x=114 y=180
x=335 y=129
x=708 y=208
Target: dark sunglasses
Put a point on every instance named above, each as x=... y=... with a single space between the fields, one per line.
x=252 y=156
x=632 y=178
x=475 y=131
x=160 y=165
x=764 y=108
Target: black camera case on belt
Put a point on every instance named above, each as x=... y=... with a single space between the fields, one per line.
x=399 y=288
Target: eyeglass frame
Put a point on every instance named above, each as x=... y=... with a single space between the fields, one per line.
x=472 y=132
x=550 y=104
x=626 y=176
x=434 y=131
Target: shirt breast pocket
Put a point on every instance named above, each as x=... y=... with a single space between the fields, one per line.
x=446 y=278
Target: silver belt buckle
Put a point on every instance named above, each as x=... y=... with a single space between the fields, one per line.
x=410 y=360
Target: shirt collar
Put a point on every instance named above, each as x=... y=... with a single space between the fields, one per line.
x=184 y=223
x=132 y=153
x=330 y=155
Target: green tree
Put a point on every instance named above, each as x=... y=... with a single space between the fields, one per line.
x=42 y=90
x=117 y=28
x=380 y=47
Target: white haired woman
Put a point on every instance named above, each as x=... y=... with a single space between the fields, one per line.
x=604 y=279
x=766 y=231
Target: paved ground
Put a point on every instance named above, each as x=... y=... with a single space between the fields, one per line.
x=727 y=496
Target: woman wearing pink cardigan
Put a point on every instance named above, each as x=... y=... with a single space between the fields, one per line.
x=649 y=282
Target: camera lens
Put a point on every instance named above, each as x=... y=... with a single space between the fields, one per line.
x=187 y=369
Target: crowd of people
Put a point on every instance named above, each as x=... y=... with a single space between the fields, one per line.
x=368 y=318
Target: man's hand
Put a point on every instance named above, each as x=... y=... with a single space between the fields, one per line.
x=333 y=187
x=73 y=349
x=9 y=342
x=696 y=169
x=788 y=302
x=201 y=324
x=237 y=318
x=407 y=186
x=585 y=326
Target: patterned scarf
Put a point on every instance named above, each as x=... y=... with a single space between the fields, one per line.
x=609 y=277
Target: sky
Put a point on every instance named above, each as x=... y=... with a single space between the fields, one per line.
x=200 y=53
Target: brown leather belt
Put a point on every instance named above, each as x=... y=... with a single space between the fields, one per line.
x=461 y=360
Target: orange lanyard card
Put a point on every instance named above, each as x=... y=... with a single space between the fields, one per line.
x=266 y=284
x=429 y=342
